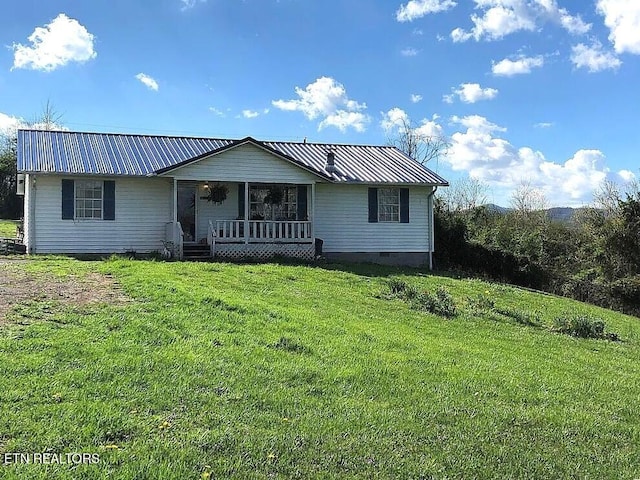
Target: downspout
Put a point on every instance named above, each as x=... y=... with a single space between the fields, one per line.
x=431 y=226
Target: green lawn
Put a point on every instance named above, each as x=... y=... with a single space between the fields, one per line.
x=273 y=371
x=8 y=228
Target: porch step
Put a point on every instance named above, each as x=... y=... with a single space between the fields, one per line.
x=196 y=252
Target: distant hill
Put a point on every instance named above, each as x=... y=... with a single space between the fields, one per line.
x=560 y=214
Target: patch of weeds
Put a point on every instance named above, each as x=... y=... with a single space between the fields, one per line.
x=481 y=303
x=439 y=303
x=523 y=317
x=222 y=305
x=289 y=345
x=397 y=286
x=583 y=326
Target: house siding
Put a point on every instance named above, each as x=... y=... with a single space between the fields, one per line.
x=244 y=163
x=143 y=206
x=342 y=222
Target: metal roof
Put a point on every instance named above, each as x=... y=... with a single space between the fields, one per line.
x=61 y=152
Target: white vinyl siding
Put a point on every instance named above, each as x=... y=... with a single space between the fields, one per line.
x=143 y=207
x=246 y=163
x=342 y=222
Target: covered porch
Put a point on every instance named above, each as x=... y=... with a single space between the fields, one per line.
x=234 y=220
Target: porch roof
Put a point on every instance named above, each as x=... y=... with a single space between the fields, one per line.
x=83 y=153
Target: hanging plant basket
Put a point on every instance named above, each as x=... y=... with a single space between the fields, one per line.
x=275 y=196
x=217 y=193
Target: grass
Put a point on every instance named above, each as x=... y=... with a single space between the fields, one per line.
x=282 y=371
x=8 y=228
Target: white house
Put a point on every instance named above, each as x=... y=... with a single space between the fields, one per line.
x=97 y=193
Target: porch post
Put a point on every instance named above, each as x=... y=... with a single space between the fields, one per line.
x=175 y=200
x=313 y=210
x=246 y=212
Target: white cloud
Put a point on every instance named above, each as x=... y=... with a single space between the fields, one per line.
x=594 y=57
x=396 y=119
x=250 y=113
x=189 y=4
x=415 y=98
x=520 y=65
x=622 y=17
x=543 y=125
x=409 y=52
x=626 y=175
x=573 y=24
x=481 y=152
x=9 y=125
x=471 y=93
x=500 y=18
x=327 y=99
x=148 y=81
x=56 y=44
x=216 y=111
x=415 y=9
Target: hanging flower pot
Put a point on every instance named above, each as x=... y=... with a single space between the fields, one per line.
x=217 y=193
x=275 y=195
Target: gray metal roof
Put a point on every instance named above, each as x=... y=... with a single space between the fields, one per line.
x=62 y=152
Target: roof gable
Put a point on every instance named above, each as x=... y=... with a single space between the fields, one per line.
x=238 y=143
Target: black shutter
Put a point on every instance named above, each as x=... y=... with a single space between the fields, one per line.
x=241 y=200
x=67 y=199
x=373 y=205
x=404 y=205
x=302 y=203
x=109 y=200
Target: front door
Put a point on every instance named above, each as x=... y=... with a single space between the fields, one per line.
x=187 y=211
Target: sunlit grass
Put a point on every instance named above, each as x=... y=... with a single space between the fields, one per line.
x=8 y=228
x=285 y=371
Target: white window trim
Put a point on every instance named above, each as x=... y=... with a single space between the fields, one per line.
x=381 y=204
x=75 y=200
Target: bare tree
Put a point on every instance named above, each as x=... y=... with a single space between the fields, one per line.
x=411 y=139
x=464 y=194
x=527 y=199
x=48 y=119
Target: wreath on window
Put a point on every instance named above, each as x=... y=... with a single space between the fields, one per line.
x=274 y=196
x=217 y=193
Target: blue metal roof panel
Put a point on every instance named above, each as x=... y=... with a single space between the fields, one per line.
x=141 y=155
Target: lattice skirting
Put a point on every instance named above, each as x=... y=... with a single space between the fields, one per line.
x=264 y=251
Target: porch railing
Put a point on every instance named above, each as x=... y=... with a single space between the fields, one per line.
x=211 y=239
x=264 y=231
x=174 y=237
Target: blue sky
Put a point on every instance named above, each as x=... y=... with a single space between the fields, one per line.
x=536 y=91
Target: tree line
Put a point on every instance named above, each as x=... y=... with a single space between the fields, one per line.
x=593 y=257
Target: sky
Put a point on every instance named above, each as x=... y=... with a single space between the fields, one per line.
x=537 y=92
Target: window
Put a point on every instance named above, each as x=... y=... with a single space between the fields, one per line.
x=88 y=199
x=285 y=208
x=388 y=204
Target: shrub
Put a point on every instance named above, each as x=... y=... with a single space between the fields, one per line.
x=439 y=303
x=397 y=286
x=582 y=326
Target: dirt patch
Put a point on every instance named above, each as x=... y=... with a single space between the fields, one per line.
x=18 y=286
